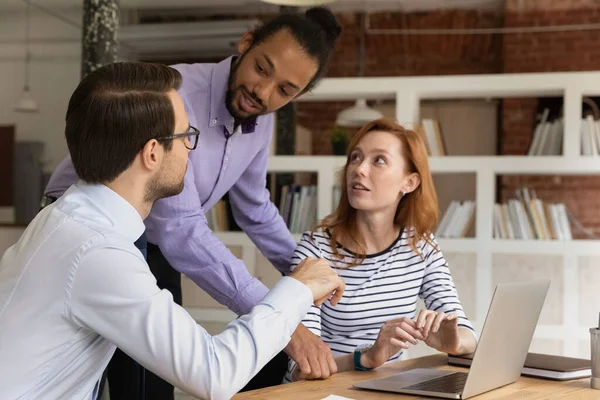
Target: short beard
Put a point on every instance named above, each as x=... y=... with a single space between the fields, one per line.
x=229 y=104
x=230 y=94
x=155 y=190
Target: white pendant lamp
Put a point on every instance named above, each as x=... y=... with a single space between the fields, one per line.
x=26 y=103
x=298 y=3
x=357 y=115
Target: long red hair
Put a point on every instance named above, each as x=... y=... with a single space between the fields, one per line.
x=417 y=210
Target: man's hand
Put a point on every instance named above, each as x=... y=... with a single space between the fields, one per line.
x=320 y=279
x=313 y=357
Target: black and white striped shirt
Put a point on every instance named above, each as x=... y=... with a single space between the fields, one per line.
x=384 y=287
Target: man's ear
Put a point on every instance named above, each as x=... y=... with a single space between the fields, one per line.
x=151 y=155
x=245 y=42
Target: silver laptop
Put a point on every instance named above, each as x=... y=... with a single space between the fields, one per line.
x=500 y=354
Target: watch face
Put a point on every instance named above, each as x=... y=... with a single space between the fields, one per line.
x=363 y=347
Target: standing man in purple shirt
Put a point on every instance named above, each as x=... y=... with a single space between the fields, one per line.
x=232 y=104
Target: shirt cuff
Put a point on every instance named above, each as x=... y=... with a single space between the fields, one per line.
x=248 y=297
x=291 y=297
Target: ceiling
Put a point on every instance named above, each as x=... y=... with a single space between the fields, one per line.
x=244 y=6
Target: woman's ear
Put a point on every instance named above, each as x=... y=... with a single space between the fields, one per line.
x=412 y=183
x=245 y=42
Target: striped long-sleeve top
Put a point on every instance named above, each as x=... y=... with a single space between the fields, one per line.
x=383 y=287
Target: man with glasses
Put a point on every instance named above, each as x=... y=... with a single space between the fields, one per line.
x=74 y=287
x=232 y=104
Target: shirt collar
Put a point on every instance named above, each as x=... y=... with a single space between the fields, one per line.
x=123 y=216
x=219 y=115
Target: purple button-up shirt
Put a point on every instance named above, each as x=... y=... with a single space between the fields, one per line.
x=224 y=161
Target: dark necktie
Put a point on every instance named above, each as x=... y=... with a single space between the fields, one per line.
x=142 y=245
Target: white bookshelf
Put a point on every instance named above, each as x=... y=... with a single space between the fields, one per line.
x=408 y=93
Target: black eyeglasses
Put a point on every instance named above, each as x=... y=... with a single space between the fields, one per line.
x=192 y=136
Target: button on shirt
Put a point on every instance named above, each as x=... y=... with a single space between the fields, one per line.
x=74 y=287
x=226 y=160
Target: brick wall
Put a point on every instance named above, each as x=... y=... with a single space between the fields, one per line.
x=319 y=117
x=405 y=55
x=518 y=121
x=545 y=52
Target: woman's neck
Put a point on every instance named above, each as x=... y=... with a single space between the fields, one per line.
x=377 y=230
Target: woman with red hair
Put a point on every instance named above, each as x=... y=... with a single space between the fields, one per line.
x=380 y=241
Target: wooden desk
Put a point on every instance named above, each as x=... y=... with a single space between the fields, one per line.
x=341 y=385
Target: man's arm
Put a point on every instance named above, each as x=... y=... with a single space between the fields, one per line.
x=309 y=355
x=178 y=226
x=114 y=294
x=257 y=216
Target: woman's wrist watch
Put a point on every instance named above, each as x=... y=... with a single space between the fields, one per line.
x=358 y=351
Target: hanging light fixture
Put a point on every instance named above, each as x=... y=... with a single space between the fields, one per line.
x=298 y=3
x=359 y=114
x=27 y=103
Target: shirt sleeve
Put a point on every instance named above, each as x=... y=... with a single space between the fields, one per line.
x=437 y=290
x=178 y=226
x=312 y=320
x=258 y=217
x=113 y=293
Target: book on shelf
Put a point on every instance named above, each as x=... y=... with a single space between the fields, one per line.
x=297 y=143
x=590 y=136
x=297 y=203
x=218 y=218
x=529 y=218
x=298 y=206
x=430 y=132
x=542 y=366
x=457 y=220
x=547 y=137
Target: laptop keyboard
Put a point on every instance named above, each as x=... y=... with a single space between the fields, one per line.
x=453 y=383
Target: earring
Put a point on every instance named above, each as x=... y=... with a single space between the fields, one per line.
x=403 y=193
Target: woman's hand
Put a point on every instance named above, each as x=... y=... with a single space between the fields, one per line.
x=393 y=336
x=440 y=331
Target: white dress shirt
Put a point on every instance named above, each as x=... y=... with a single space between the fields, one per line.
x=74 y=287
